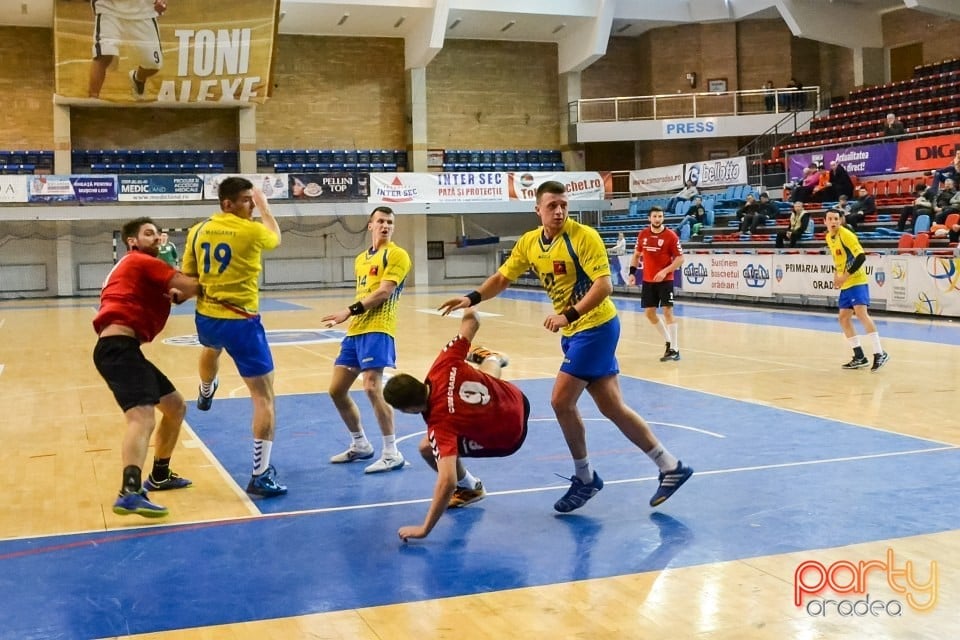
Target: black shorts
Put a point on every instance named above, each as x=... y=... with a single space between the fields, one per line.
x=472 y=449
x=134 y=380
x=657 y=294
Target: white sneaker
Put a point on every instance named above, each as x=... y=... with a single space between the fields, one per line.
x=387 y=462
x=353 y=453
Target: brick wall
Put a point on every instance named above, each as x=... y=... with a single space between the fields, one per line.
x=493 y=95
x=940 y=36
x=335 y=93
x=26 y=83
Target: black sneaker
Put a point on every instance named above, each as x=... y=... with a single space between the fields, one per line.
x=879 y=359
x=670 y=354
x=137 y=87
x=857 y=363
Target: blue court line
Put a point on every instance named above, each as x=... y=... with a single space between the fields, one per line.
x=779 y=481
x=935 y=330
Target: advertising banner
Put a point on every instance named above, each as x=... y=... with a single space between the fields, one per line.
x=329 y=187
x=273 y=185
x=581 y=185
x=734 y=274
x=483 y=186
x=812 y=275
x=718 y=173
x=210 y=51
x=658 y=179
x=927 y=285
x=923 y=154
x=78 y=188
x=870 y=159
x=13 y=188
x=159 y=188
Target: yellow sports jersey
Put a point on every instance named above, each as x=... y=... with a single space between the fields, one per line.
x=566 y=267
x=225 y=253
x=844 y=248
x=389 y=262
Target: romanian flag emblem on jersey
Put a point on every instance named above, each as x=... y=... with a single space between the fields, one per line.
x=559 y=268
x=374 y=270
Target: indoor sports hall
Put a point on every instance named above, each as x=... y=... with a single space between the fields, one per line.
x=797 y=461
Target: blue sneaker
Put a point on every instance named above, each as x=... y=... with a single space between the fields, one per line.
x=173 y=481
x=578 y=494
x=137 y=503
x=204 y=402
x=266 y=484
x=670 y=482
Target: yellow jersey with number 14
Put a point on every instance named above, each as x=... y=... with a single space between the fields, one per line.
x=225 y=252
x=844 y=247
x=566 y=267
x=389 y=262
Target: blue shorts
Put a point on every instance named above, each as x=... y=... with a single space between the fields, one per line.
x=591 y=354
x=856 y=295
x=367 y=351
x=243 y=338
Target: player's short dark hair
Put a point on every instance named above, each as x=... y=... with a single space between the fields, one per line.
x=132 y=228
x=656 y=207
x=551 y=186
x=403 y=390
x=381 y=209
x=231 y=188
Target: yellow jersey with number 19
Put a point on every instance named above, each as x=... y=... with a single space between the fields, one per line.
x=844 y=248
x=389 y=262
x=225 y=252
x=566 y=267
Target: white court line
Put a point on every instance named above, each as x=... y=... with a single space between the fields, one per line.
x=3 y=321
x=459 y=313
x=376 y=505
x=665 y=424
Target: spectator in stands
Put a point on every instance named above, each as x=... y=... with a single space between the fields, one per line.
x=947 y=202
x=823 y=190
x=130 y=24
x=893 y=127
x=614 y=252
x=843 y=204
x=950 y=172
x=167 y=251
x=696 y=217
x=922 y=204
x=747 y=214
x=798 y=100
x=839 y=181
x=769 y=95
x=689 y=190
x=768 y=210
x=807 y=183
x=859 y=210
x=799 y=219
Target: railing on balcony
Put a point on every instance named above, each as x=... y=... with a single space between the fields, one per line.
x=695 y=105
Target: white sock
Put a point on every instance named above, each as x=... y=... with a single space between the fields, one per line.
x=874 y=339
x=672 y=330
x=360 y=440
x=854 y=342
x=581 y=468
x=206 y=388
x=662 y=328
x=663 y=458
x=390 y=445
x=261 y=455
x=467 y=481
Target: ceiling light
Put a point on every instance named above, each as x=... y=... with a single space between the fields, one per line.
x=453 y=25
x=396 y=25
x=560 y=27
x=624 y=27
x=508 y=26
x=343 y=19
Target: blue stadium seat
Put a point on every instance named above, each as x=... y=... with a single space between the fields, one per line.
x=922 y=224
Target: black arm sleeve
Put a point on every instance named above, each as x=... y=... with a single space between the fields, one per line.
x=857 y=263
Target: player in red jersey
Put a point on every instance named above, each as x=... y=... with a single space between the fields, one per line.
x=469 y=412
x=134 y=307
x=660 y=250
